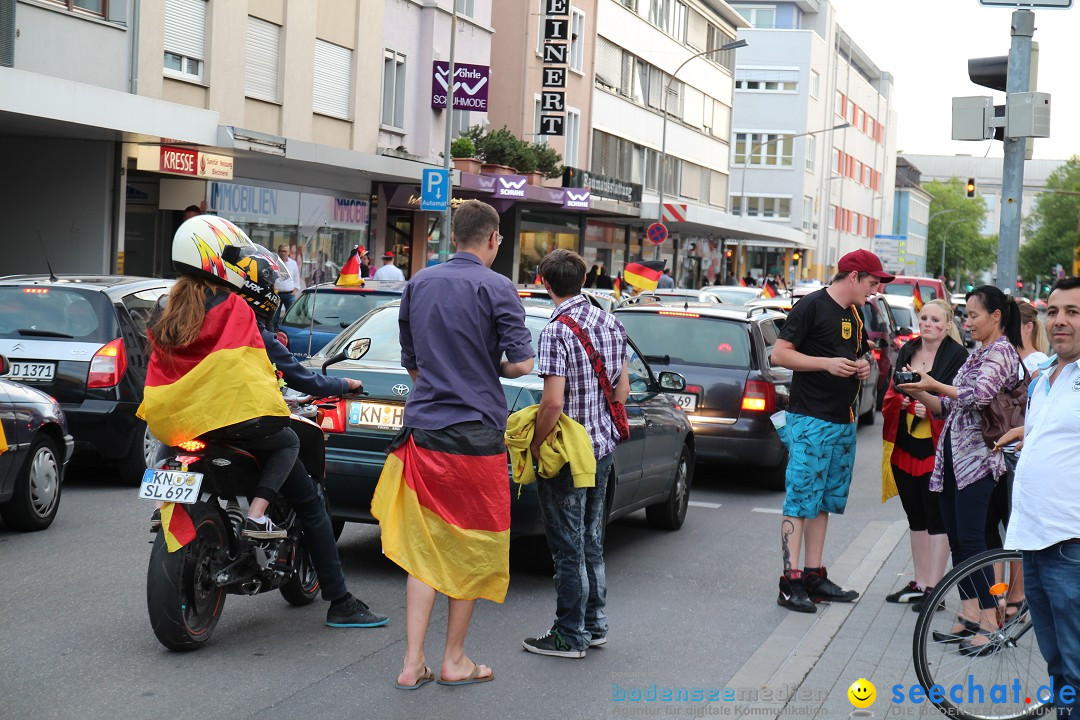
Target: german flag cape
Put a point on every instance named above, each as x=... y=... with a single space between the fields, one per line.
x=644 y=275
x=443 y=503
x=222 y=378
x=893 y=414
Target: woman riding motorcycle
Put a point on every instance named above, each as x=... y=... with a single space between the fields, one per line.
x=208 y=373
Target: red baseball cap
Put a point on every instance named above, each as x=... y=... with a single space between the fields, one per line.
x=864 y=261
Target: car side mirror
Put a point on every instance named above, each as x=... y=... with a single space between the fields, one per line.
x=905 y=331
x=5 y=366
x=672 y=381
x=358 y=348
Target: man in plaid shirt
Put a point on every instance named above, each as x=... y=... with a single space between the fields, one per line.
x=574 y=517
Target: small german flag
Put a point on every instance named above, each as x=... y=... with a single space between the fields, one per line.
x=176 y=526
x=644 y=275
x=742 y=282
x=350 y=271
x=617 y=287
x=769 y=291
x=916 y=299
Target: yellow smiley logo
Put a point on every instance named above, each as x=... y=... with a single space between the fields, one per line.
x=862 y=693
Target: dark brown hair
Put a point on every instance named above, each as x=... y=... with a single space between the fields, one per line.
x=564 y=271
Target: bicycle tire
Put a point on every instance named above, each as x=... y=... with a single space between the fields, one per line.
x=1015 y=657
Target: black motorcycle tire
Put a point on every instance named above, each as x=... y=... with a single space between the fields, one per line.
x=303 y=587
x=183 y=602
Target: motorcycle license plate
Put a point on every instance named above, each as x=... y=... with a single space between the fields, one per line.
x=170 y=486
x=385 y=416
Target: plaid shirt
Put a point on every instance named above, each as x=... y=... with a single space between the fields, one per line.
x=561 y=353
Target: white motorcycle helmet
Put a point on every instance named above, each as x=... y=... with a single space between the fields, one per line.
x=199 y=244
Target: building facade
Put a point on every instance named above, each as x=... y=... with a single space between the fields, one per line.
x=902 y=248
x=800 y=79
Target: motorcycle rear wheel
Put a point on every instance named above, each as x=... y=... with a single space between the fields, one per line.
x=303 y=587
x=183 y=601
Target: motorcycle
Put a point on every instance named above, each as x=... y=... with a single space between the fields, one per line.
x=199 y=556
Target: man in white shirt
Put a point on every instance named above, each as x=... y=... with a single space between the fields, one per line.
x=1045 y=518
x=389 y=271
x=287 y=288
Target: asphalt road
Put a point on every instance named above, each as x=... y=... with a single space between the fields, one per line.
x=687 y=609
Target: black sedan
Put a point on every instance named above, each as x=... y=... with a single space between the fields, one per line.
x=652 y=470
x=34 y=448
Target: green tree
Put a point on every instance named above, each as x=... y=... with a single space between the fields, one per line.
x=957 y=222
x=1052 y=227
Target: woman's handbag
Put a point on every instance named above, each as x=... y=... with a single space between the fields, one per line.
x=617 y=409
x=1005 y=411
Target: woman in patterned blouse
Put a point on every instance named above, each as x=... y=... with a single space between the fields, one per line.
x=965 y=469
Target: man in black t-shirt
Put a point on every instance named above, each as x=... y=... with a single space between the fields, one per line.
x=824 y=343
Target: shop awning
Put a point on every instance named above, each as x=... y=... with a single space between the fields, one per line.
x=750 y=232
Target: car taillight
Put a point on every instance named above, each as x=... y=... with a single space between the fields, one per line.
x=108 y=365
x=695 y=389
x=333 y=416
x=759 y=396
x=877 y=354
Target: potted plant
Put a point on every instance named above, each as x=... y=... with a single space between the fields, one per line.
x=463 y=152
x=548 y=160
x=497 y=149
x=525 y=161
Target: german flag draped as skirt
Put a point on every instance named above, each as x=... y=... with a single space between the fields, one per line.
x=443 y=503
x=224 y=377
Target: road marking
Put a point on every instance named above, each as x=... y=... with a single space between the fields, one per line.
x=698 y=503
x=771 y=511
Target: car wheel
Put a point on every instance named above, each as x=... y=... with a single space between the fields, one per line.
x=670 y=514
x=775 y=478
x=36 y=495
x=141 y=455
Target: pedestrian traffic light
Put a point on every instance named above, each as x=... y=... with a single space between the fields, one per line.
x=970 y=187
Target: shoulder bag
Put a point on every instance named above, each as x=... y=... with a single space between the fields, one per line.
x=1005 y=411
x=617 y=409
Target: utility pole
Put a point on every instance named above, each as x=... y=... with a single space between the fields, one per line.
x=444 y=236
x=1012 y=181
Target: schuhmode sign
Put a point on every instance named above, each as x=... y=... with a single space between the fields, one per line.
x=470 y=86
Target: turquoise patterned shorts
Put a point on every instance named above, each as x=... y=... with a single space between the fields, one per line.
x=821 y=457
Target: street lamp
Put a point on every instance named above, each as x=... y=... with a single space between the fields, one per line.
x=754 y=148
x=663 y=141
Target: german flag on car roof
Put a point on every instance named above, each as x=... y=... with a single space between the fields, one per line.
x=224 y=377
x=644 y=275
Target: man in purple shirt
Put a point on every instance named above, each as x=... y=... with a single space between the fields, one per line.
x=443 y=500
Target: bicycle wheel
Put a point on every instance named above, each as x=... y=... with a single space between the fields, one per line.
x=1009 y=675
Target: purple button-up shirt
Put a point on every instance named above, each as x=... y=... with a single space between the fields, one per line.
x=456 y=321
x=987 y=372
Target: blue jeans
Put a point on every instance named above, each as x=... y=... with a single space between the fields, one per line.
x=1052 y=587
x=574 y=524
x=306 y=498
x=287 y=300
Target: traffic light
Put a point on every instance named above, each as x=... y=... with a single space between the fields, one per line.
x=728 y=254
x=796 y=256
x=970 y=187
x=1019 y=285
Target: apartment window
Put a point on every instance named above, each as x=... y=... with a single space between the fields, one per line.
x=758 y=16
x=838 y=161
x=815 y=83
x=766 y=80
x=262 y=62
x=616 y=157
x=393 y=91
x=811 y=152
x=573 y=137
x=632 y=4
x=772 y=208
x=834 y=217
x=464 y=7
x=537 y=112
x=807 y=213
x=185 y=38
x=840 y=104
x=678 y=22
x=460 y=122
x=717 y=38
x=608 y=64
x=332 y=86
x=93 y=7
x=577 y=40
x=691 y=181
x=771 y=149
x=660 y=14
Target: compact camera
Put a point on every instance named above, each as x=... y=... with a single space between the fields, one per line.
x=907 y=376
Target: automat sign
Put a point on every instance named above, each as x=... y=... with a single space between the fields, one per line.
x=556 y=55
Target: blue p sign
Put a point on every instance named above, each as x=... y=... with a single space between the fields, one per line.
x=435 y=190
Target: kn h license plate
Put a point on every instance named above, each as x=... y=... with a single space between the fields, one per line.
x=170 y=486
x=385 y=416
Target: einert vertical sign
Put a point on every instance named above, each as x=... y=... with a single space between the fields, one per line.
x=556 y=55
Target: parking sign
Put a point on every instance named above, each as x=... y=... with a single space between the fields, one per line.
x=435 y=190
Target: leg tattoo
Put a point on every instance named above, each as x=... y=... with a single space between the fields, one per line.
x=786 y=528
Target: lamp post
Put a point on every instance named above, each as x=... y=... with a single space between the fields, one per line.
x=754 y=148
x=663 y=138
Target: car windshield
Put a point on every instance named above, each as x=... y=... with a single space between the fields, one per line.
x=926 y=291
x=689 y=340
x=904 y=317
x=382 y=328
x=735 y=296
x=55 y=313
x=336 y=309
